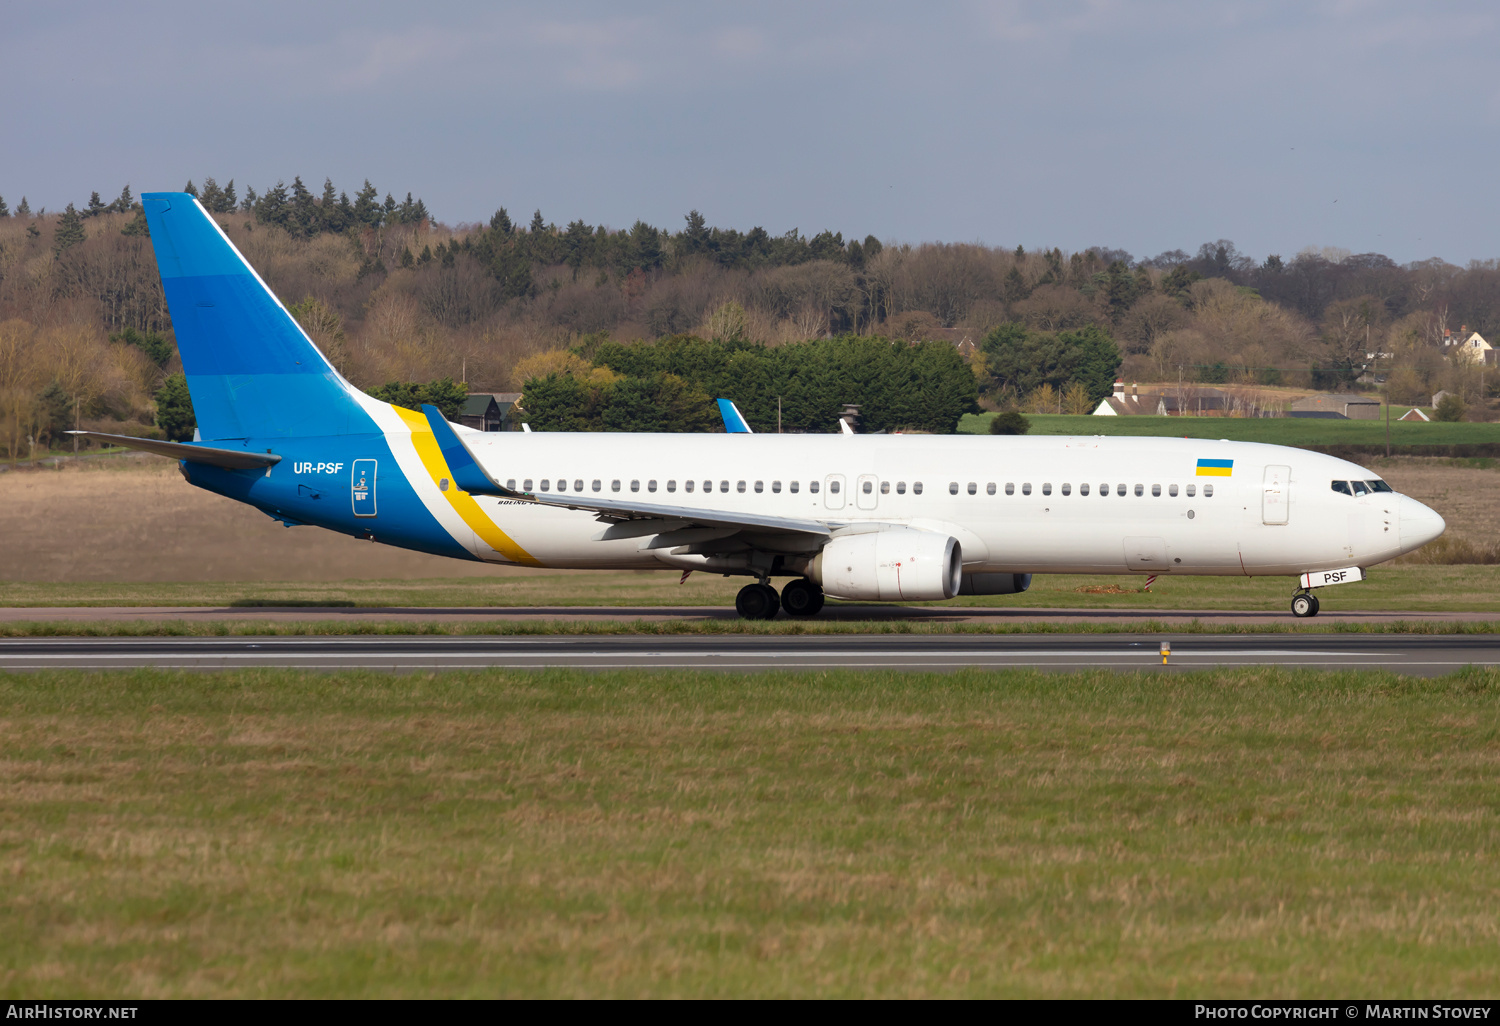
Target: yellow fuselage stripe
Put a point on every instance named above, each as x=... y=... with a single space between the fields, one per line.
x=462 y=502
x=1215 y=471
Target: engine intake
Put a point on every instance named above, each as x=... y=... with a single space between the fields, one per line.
x=900 y=564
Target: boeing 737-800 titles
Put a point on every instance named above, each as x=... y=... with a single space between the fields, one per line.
x=871 y=517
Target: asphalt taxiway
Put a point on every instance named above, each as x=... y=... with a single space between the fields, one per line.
x=1420 y=655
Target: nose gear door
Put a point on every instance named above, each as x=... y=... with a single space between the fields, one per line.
x=1275 y=495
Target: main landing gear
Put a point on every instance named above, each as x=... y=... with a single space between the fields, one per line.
x=799 y=598
x=1304 y=603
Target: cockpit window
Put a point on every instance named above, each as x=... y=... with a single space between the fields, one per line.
x=1360 y=488
x=1342 y=487
x=1379 y=486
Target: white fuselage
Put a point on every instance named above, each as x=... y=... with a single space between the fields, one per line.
x=1015 y=504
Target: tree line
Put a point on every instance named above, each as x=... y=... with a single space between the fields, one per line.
x=394 y=295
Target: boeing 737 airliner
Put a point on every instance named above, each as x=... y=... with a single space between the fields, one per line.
x=870 y=517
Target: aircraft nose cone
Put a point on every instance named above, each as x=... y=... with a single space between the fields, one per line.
x=1419 y=525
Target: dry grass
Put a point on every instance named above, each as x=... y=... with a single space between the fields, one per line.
x=1252 y=833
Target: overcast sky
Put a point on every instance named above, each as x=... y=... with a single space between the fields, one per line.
x=1147 y=126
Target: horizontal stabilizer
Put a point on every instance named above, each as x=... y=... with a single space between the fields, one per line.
x=232 y=459
x=467 y=473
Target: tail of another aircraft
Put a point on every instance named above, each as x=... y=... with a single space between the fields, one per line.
x=251 y=369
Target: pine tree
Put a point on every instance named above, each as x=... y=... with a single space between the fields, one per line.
x=251 y=200
x=538 y=226
x=303 y=219
x=69 y=231
x=96 y=206
x=419 y=212
x=230 y=202
x=407 y=260
x=174 y=409
x=695 y=235
x=501 y=222
x=190 y=188
x=125 y=202
x=367 y=206
x=212 y=197
x=388 y=211
x=24 y=210
x=328 y=208
x=404 y=212
x=4 y=210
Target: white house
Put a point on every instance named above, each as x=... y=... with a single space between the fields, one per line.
x=1471 y=344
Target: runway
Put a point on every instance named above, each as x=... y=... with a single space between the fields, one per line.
x=1421 y=655
x=841 y=612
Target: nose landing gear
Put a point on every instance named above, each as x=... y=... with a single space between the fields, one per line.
x=1304 y=603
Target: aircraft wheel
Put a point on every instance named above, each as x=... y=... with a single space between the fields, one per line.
x=1304 y=605
x=757 y=602
x=802 y=598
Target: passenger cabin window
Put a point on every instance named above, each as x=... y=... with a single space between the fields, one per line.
x=578 y=485
x=1342 y=487
x=511 y=484
x=546 y=485
x=687 y=486
x=526 y=485
x=1208 y=491
x=614 y=486
x=1103 y=490
x=635 y=486
x=1191 y=489
x=869 y=488
x=671 y=486
x=973 y=488
x=562 y=484
x=1140 y=490
x=916 y=487
x=1083 y=489
x=708 y=486
x=792 y=487
x=1172 y=491
x=723 y=486
x=812 y=486
x=1010 y=488
x=885 y=488
x=651 y=485
x=1026 y=488
x=598 y=486
x=833 y=486
x=1067 y=489
x=989 y=489
x=1121 y=489
x=1047 y=488
x=776 y=487
x=740 y=487
x=760 y=486
x=900 y=487
x=952 y=487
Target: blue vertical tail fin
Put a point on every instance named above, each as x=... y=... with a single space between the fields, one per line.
x=251 y=369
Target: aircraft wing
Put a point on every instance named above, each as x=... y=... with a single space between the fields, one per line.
x=674 y=525
x=233 y=459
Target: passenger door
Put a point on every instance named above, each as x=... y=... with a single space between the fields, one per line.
x=1274 y=495
x=866 y=495
x=833 y=491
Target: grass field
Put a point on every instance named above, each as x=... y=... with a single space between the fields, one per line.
x=1251 y=833
x=1275 y=430
x=1413 y=588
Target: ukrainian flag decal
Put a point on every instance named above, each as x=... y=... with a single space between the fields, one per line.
x=1215 y=468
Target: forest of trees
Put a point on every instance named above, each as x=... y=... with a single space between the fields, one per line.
x=392 y=295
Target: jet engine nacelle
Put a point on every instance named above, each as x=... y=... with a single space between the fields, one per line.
x=994 y=584
x=889 y=566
